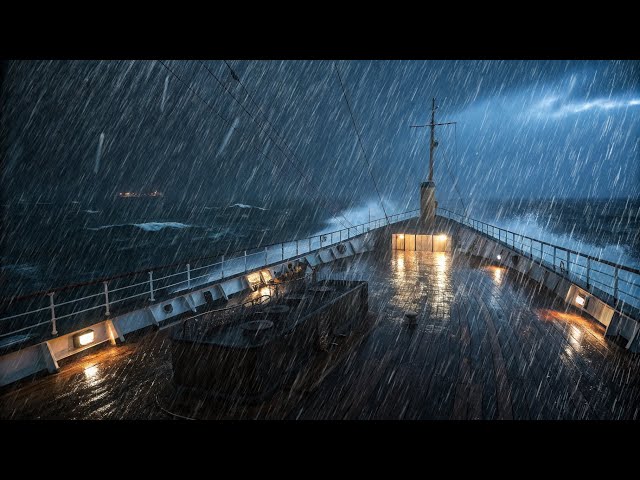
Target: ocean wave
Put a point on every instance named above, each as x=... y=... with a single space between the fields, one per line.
x=530 y=225
x=357 y=216
x=26 y=270
x=148 y=226
x=91 y=211
x=243 y=205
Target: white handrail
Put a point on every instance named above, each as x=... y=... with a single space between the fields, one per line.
x=153 y=283
x=586 y=271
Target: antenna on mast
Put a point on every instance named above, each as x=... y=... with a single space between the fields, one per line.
x=428 y=202
x=433 y=142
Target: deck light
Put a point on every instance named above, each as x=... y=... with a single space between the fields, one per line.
x=401 y=236
x=266 y=276
x=442 y=237
x=499 y=257
x=83 y=338
x=582 y=301
x=254 y=277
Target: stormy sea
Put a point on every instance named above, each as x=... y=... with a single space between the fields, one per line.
x=46 y=246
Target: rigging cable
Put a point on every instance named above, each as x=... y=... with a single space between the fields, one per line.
x=261 y=152
x=261 y=126
x=455 y=182
x=355 y=127
x=455 y=143
x=236 y=77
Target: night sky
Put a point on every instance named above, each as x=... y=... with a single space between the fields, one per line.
x=525 y=129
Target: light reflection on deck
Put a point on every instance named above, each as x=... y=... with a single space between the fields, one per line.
x=484 y=346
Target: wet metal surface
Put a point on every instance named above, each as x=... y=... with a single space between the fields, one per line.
x=484 y=346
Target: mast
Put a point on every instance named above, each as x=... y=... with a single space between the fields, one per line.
x=428 y=202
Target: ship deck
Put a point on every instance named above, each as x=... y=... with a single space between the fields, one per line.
x=487 y=345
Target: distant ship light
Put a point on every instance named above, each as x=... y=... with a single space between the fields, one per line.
x=83 y=338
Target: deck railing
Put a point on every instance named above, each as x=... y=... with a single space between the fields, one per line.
x=594 y=274
x=40 y=313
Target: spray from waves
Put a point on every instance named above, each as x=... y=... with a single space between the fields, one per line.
x=96 y=167
x=147 y=227
x=357 y=215
x=530 y=226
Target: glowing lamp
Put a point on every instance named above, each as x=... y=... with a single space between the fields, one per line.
x=266 y=276
x=442 y=237
x=254 y=278
x=582 y=301
x=86 y=337
x=401 y=236
x=499 y=257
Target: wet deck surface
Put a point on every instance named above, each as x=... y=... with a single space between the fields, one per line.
x=486 y=346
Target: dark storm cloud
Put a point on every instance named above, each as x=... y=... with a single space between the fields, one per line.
x=525 y=129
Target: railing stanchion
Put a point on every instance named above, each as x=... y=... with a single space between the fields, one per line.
x=106 y=299
x=152 y=298
x=52 y=306
x=222 y=268
x=480 y=227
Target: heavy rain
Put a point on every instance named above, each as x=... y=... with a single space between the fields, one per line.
x=249 y=239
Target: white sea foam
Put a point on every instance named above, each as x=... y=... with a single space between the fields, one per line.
x=243 y=205
x=530 y=226
x=156 y=226
x=148 y=227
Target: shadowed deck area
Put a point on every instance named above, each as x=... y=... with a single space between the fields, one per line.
x=485 y=346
